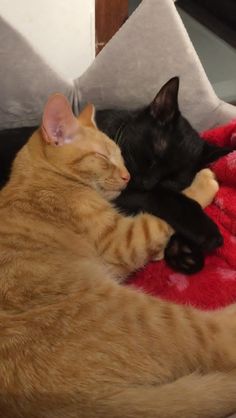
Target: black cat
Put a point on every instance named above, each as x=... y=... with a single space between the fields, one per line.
x=163 y=153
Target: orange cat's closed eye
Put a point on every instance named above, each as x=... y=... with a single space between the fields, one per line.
x=99 y=154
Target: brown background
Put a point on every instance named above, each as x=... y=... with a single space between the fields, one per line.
x=110 y=15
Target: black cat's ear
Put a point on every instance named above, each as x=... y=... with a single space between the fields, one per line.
x=211 y=153
x=165 y=105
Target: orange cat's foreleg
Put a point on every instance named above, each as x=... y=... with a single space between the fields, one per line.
x=131 y=242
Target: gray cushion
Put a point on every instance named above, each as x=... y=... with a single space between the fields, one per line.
x=151 y=47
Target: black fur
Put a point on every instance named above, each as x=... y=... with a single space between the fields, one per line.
x=11 y=141
x=163 y=153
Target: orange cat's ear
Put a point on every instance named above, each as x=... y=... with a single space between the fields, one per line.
x=87 y=116
x=59 y=124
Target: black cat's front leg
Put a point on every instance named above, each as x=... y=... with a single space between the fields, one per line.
x=196 y=232
x=186 y=216
x=182 y=213
x=132 y=202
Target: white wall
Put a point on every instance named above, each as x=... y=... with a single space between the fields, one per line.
x=62 y=31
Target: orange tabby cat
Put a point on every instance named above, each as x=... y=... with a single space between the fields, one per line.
x=74 y=343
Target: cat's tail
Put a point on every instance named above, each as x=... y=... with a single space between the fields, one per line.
x=192 y=396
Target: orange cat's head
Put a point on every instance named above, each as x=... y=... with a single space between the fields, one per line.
x=77 y=149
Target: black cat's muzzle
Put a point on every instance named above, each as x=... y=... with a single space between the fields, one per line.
x=151 y=178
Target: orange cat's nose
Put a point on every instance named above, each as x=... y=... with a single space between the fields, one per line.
x=125 y=176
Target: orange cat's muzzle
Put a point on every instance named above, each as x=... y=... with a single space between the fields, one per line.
x=125 y=176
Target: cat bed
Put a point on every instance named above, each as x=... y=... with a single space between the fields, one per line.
x=215 y=285
x=150 y=48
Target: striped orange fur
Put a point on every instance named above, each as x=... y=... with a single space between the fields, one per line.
x=74 y=342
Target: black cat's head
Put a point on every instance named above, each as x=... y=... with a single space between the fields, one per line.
x=159 y=144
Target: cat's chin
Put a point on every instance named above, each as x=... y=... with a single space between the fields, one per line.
x=110 y=194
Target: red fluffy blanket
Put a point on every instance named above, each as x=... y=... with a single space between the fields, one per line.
x=215 y=285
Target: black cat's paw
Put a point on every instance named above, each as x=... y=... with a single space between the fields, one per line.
x=211 y=238
x=183 y=255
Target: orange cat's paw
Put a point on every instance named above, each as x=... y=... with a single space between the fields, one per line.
x=205 y=175
x=204 y=187
x=207 y=185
